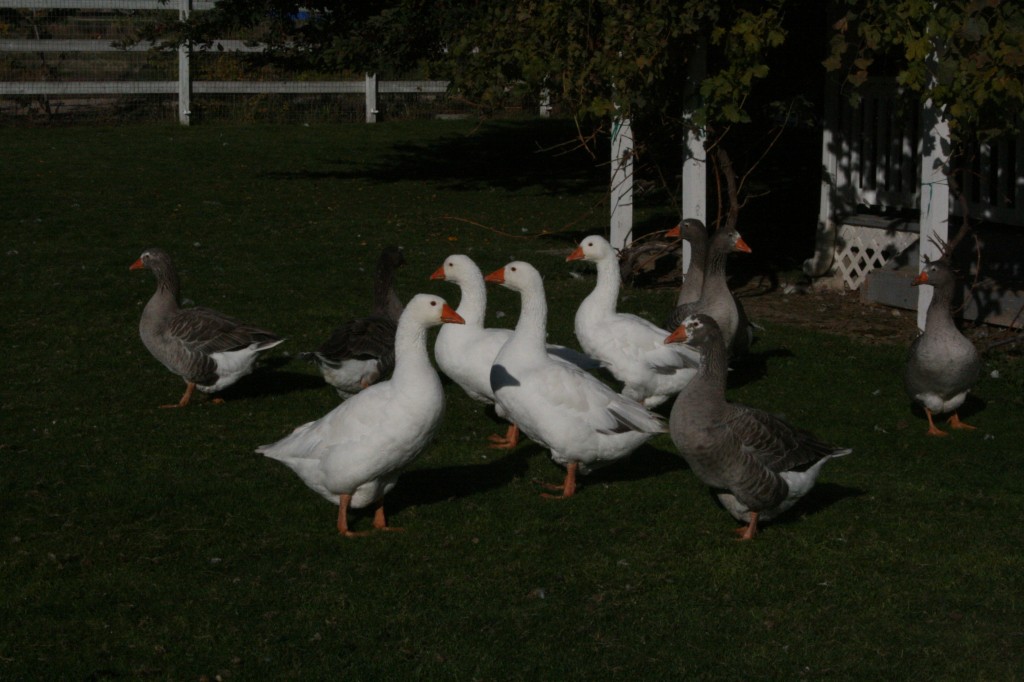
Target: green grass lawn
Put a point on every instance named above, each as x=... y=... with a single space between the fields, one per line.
x=144 y=543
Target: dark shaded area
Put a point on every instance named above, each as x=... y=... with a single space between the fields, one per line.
x=269 y=378
x=820 y=497
x=509 y=155
x=433 y=485
x=753 y=366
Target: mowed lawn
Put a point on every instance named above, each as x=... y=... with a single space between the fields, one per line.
x=140 y=543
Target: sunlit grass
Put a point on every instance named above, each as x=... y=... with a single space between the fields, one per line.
x=140 y=542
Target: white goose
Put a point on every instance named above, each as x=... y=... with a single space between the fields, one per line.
x=466 y=352
x=581 y=421
x=632 y=348
x=354 y=454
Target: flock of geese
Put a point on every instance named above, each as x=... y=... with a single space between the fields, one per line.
x=756 y=463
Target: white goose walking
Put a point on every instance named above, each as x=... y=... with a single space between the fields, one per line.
x=466 y=352
x=583 y=422
x=354 y=454
x=632 y=348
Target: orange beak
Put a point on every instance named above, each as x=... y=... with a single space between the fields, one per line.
x=137 y=265
x=496 y=277
x=741 y=245
x=575 y=255
x=677 y=336
x=450 y=316
x=920 y=279
x=438 y=274
x=676 y=232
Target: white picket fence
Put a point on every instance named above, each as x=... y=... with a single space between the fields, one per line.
x=184 y=87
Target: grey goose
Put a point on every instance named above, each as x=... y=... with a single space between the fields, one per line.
x=942 y=364
x=361 y=351
x=757 y=464
x=206 y=348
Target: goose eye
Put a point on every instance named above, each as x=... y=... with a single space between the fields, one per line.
x=433 y=303
x=512 y=269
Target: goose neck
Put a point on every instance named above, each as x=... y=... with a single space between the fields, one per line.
x=473 y=301
x=606 y=290
x=410 y=348
x=531 y=328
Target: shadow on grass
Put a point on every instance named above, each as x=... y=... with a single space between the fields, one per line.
x=270 y=379
x=645 y=462
x=972 y=406
x=510 y=155
x=822 y=496
x=754 y=366
x=431 y=485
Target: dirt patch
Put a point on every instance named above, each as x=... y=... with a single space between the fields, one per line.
x=830 y=311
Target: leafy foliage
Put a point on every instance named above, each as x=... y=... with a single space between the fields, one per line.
x=966 y=56
x=605 y=57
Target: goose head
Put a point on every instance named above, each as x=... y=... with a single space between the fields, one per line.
x=456 y=268
x=695 y=330
x=727 y=240
x=593 y=248
x=690 y=229
x=517 y=276
x=429 y=311
x=935 y=273
x=155 y=259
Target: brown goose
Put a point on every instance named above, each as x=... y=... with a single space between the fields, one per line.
x=361 y=352
x=694 y=232
x=942 y=364
x=757 y=464
x=715 y=298
x=208 y=349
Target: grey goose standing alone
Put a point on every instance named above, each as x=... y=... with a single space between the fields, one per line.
x=716 y=299
x=942 y=364
x=361 y=352
x=756 y=463
x=208 y=349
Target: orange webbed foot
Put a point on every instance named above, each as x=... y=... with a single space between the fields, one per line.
x=506 y=442
x=749 y=531
x=568 y=486
x=955 y=423
x=933 y=430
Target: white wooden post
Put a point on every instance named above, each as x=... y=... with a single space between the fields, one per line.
x=822 y=261
x=621 y=193
x=934 y=226
x=545 y=103
x=371 y=98
x=184 y=70
x=693 y=201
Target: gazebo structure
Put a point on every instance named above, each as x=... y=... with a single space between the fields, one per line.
x=885 y=202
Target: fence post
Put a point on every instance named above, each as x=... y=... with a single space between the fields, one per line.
x=621 y=190
x=934 y=225
x=371 y=98
x=545 y=103
x=184 y=70
x=694 y=190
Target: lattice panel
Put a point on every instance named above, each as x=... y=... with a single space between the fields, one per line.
x=862 y=249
